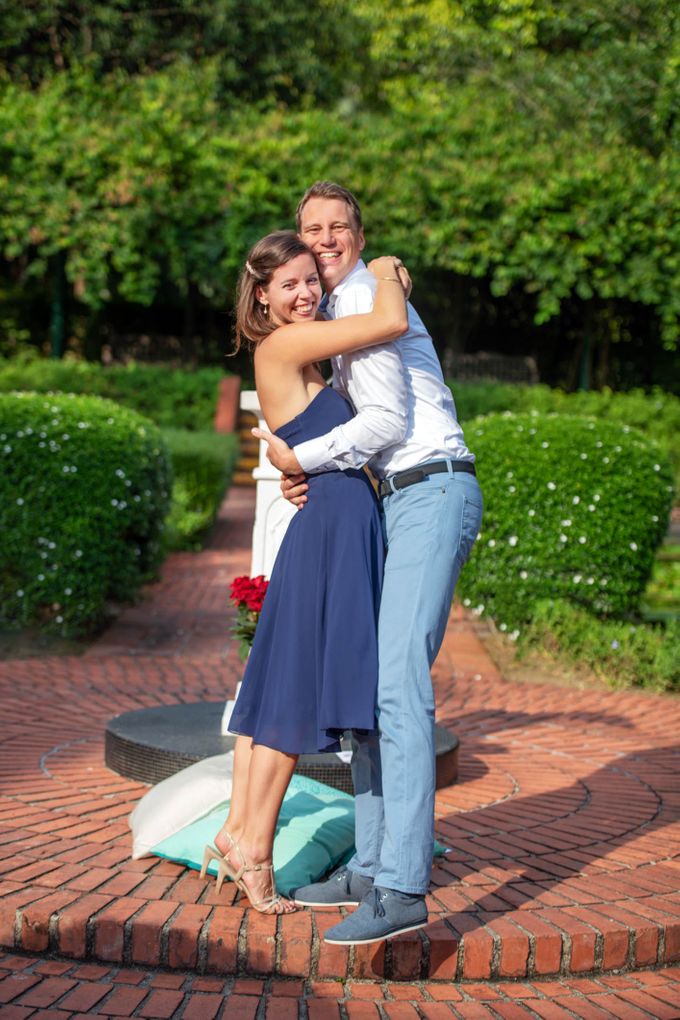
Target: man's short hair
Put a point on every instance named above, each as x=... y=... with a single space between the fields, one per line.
x=328 y=189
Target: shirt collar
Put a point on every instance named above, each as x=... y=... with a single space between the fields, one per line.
x=331 y=299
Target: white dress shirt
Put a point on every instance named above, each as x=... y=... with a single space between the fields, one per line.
x=405 y=414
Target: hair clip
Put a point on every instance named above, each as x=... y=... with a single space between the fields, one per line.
x=250 y=269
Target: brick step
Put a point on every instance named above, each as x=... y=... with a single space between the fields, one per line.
x=205 y=937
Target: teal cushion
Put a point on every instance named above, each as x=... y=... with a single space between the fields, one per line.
x=314 y=833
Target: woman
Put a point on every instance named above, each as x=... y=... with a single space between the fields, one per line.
x=312 y=670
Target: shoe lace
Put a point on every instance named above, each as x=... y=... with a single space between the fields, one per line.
x=377 y=895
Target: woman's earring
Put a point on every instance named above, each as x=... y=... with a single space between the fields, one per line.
x=265 y=305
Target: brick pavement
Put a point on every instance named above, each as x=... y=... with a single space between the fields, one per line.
x=564 y=825
x=51 y=988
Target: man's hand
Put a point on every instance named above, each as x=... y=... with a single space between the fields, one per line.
x=279 y=453
x=293 y=488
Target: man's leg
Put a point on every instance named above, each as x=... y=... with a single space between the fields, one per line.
x=369 y=824
x=431 y=528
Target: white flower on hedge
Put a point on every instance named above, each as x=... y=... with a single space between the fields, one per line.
x=41 y=577
x=584 y=456
x=491 y=542
x=582 y=539
x=20 y=593
x=513 y=540
x=591 y=507
x=566 y=523
x=59 y=619
x=511 y=488
x=514 y=635
x=576 y=578
x=109 y=421
x=20 y=434
x=655 y=518
x=79 y=553
x=120 y=473
x=68 y=591
x=20 y=501
x=41 y=445
x=615 y=644
x=563 y=538
x=122 y=504
x=657 y=467
x=7 y=449
x=545 y=445
x=598 y=444
x=576 y=500
x=466 y=602
x=114 y=502
x=604 y=582
x=66 y=469
x=633 y=546
x=523 y=574
x=591 y=580
x=65 y=436
x=531 y=513
x=605 y=460
x=596 y=497
x=503 y=626
x=552 y=486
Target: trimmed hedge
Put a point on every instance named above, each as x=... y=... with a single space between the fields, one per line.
x=202 y=464
x=657 y=413
x=84 y=489
x=176 y=398
x=574 y=509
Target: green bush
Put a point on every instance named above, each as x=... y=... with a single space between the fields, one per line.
x=84 y=489
x=202 y=465
x=174 y=397
x=657 y=414
x=574 y=509
x=621 y=653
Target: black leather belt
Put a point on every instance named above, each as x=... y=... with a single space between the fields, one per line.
x=405 y=478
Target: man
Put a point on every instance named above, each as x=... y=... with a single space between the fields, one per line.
x=406 y=430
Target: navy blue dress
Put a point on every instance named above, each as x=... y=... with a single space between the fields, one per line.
x=313 y=667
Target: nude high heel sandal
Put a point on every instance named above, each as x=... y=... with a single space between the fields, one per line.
x=268 y=904
x=211 y=853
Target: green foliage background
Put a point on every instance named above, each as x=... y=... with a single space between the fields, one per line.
x=532 y=144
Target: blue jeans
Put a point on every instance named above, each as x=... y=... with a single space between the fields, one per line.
x=430 y=529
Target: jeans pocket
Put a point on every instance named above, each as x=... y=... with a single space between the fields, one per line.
x=471 y=522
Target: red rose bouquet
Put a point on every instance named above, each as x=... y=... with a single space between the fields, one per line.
x=247 y=594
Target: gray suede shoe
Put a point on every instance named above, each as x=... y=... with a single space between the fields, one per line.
x=382 y=914
x=344 y=888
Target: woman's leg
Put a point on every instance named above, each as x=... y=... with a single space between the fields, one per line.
x=236 y=817
x=256 y=803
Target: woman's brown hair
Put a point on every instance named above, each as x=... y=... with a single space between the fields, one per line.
x=272 y=251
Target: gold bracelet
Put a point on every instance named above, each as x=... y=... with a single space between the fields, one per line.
x=394 y=279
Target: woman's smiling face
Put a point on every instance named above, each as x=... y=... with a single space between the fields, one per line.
x=294 y=291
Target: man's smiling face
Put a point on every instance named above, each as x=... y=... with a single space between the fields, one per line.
x=328 y=226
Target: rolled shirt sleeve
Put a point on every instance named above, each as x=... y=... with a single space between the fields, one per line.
x=374 y=381
x=378 y=389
